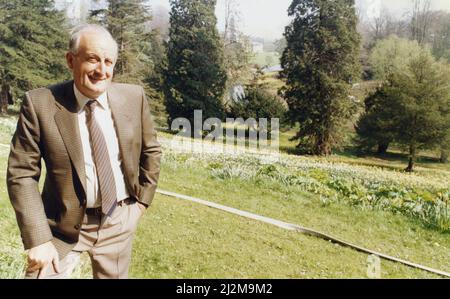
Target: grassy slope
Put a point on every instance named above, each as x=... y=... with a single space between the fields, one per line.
x=184 y=240
x=389 y=233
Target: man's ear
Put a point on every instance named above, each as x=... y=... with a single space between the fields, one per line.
x=69 y=59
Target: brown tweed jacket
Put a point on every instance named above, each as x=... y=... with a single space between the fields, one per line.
x=48 y=129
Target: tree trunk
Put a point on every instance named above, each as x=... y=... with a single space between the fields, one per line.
x=412 y=158
x=323 y=146
x=382 y=148
x=4 y=98
x=444 y=156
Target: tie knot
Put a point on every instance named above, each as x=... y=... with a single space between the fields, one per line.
x=91 y=105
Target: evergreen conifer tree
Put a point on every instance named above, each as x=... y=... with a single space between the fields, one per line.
x=320 y=62
x=195 y=77
x=33 y=42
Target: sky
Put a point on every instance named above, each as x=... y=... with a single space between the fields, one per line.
x=268 y=18
x=259 y=18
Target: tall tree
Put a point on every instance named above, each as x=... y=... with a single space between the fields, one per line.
x=33 y=41
x=237 y=52
x=384 y=24
x=441 y=35
x=320 y=63
x=445 y=148
x=389 y=56
x=392 y=55
x=195 y=76
x=376 y=126
x=413 y=106
x=154 y=78
x=280 y=45
x=423 y=98
x=421 y=20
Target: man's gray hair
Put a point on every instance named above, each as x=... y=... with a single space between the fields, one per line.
x=76 y=33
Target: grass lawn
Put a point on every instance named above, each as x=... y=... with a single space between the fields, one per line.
x=266 y=59
x=179 y=239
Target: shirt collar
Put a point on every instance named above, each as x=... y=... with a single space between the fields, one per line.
x=82 y=100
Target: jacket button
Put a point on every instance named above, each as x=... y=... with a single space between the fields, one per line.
x=77 y=227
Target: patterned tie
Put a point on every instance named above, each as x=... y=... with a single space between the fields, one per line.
x=101 y=160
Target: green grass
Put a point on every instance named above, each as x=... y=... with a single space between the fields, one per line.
x=179 y=239
x=266 y=58
x=12 y=259
x=272 y=82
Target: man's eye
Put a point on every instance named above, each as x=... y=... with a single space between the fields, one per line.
x=108 y=62
x=92 y=60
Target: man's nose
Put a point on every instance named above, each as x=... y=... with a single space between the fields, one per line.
x=101 y=68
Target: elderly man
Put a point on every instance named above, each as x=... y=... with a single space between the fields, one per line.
x=102 y=159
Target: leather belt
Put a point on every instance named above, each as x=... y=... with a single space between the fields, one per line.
x=98 y=211
x=94 y=211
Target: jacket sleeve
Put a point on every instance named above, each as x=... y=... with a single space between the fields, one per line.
x=23 y=173
x=150 y=159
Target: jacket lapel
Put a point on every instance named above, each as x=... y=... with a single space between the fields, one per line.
x=122 y=119
x=66 y=118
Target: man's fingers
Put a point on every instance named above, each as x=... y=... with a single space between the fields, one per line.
x=41 y=258
x=42 y=271
x=56 y=263
x=34 y=266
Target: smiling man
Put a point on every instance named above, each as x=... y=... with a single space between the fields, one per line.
x=102 y=158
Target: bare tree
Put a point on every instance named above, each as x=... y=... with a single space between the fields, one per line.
x=421 y=20
x=440 y=35
x=385 y=24
x=378 y=25
x=237 y=50
x=232 y=15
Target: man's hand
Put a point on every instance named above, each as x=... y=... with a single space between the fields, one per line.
x=42 y=257
x=142 y=207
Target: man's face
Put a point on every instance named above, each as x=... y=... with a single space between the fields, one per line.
x=93 y=65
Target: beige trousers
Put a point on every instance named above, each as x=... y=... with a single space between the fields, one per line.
x=108 y=242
